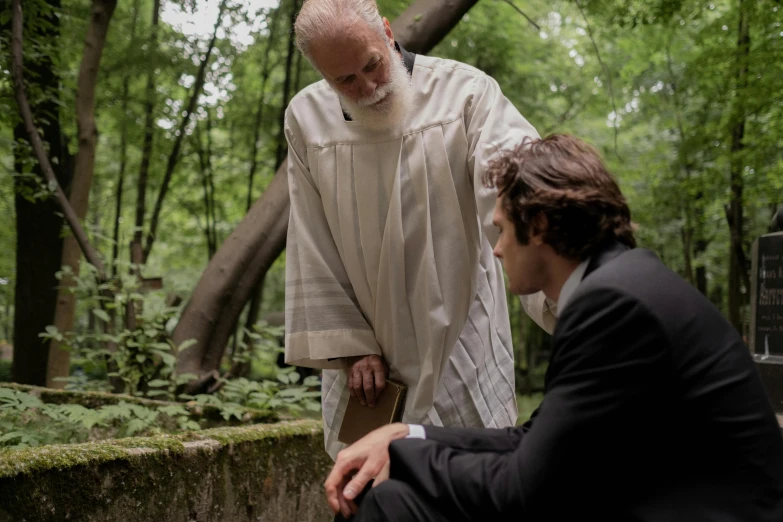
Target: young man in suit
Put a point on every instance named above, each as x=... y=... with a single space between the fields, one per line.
x=653 y=409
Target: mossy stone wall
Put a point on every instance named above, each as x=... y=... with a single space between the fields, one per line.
x=265 y=472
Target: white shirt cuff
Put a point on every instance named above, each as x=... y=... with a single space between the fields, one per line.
x=416 y=432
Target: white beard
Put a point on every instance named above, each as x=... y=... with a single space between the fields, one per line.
x=397 y=96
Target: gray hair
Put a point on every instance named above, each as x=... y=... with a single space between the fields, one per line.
x=328 y=18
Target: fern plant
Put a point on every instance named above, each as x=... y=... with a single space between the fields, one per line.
x=27 y=421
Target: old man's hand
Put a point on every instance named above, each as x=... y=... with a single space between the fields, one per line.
x=367 y=378
x=356 y=465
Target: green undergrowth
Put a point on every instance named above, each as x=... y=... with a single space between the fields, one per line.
x=31 y=416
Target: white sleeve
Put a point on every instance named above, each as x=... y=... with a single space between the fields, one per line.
x=416 y=432
x=323 y=322
x=493 y=124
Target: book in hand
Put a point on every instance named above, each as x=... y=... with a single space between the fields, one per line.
x=360 y=420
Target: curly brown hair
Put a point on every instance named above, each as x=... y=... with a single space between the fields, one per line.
x=564 y=179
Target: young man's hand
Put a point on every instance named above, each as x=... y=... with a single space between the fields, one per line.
x=356 y=465
x=367 y=378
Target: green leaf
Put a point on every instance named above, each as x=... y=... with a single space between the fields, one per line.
x=292 y=392
x=187 y=343
x=185 y=378
x=168 y=359
x=173 y=410
x=11 y=436
x=311 y=381
x=101 y=314
x=158 y=382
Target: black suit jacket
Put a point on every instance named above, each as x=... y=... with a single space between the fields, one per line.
x=653 y=411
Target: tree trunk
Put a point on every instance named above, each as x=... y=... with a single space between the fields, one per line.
x=217 y=302
x=289 y=60
x=174 y=156
x=38 y=225
x=146 y=149
x=687 y=248
x=9 y=330
x=39 y=242
x=34 y=224
x=298 y=69
x=123 y=148
x=701 y=244
x=208 y=188
x=737 y=123
x=260 y=110
x=87 y=131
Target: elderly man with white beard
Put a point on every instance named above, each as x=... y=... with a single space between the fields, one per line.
x=389 y=267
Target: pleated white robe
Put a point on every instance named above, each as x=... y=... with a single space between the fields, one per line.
x=389 y=249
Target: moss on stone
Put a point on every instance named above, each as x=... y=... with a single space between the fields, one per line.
x=261 y=431
x=56 y=456
x=254 y=473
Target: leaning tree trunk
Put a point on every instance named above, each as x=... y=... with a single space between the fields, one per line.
x=39 y=223
x=211 y=315
x=736 y=266
x=87 y=131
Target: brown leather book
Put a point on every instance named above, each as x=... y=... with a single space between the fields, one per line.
x=360 y=420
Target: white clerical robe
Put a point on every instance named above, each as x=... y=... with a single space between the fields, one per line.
x=390 y=244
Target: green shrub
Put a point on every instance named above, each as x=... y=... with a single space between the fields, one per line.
x=5 y=371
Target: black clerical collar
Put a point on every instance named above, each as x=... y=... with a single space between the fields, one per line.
x=408 y=59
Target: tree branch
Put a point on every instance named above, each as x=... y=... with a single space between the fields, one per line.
x=174 y=156
x=518 y=10
x=17 y=68
x=607 y=73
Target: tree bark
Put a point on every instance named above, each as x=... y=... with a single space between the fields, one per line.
x=87 y=132
x=146 y=149
x=737 y=124
x=216 y=303
x=174 y=156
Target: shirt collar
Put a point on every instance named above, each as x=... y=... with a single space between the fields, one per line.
x=408 y=59
x=570 y=285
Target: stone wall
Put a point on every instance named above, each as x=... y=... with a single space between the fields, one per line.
x=264 y=472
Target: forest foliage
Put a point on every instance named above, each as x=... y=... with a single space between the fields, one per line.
x=682 y=98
